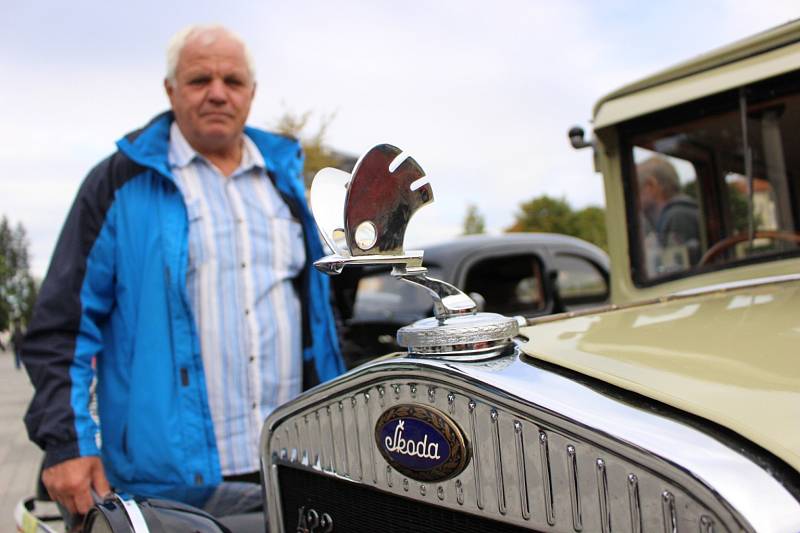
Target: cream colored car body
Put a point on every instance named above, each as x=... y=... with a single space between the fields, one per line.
x=729 y=356
x=729 y=353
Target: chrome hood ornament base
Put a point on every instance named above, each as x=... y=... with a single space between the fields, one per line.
x=363 y=219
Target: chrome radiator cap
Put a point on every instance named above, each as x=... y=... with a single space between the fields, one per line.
x=466 y=337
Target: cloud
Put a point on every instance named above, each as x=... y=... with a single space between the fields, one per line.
x=481 y=94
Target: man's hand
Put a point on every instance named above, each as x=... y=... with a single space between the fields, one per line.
x=69 y=482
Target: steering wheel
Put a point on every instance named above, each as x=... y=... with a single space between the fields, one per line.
x=733 y=240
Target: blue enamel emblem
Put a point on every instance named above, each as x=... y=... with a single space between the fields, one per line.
x=414 y=444
x=421 y=442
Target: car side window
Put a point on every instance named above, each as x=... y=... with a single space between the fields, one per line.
x=580 y=281
x=510 y=285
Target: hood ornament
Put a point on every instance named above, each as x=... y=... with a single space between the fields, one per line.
x=363 y=219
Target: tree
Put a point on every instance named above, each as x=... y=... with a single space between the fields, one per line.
x=551 y=215
x=555 y=215
x=318 y=155
x=473 y=221
x=590 y=225
x=17 y=287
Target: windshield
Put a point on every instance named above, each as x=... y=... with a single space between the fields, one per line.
x=715 y=183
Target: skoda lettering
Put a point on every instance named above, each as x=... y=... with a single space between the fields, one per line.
x=421 y=443
x=410 y=447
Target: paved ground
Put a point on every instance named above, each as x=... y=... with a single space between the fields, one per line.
x=19 y=458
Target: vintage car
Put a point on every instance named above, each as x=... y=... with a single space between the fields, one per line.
x=677 y=408
x=528 y=274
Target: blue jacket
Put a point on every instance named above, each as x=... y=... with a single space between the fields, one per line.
x=116 y=291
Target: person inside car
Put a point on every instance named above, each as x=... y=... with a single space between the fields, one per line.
x=670 y=218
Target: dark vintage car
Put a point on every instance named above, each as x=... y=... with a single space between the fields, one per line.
x=527 y=274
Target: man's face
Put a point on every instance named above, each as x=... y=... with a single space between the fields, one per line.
x=212 y=93
x=647 y=192
x=649 y=197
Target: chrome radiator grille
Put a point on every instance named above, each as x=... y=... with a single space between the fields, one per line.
x=534 y=464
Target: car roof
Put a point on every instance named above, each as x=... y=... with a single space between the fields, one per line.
x=715 y=71
x=455 y=250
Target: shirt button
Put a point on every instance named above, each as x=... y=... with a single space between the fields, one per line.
x=252 y=358
x=247 y=311
x=244 y=265
x=254 y=405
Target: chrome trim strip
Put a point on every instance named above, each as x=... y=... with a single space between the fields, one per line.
x=689 y=293
x=320 y=455
x=522 y=474
x=346 y=467
x=574 y=495
x=374 y=463
x=305 y=446
x=732 y=285
x=547 y=479
x=476 y=463
x=498 y=463
x=634 y=503
x=331 y=438
x=705 y=476
x=668 y=509
x=602 y=494
x=354 y=411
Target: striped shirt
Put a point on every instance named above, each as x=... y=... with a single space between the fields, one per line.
x=245 y=249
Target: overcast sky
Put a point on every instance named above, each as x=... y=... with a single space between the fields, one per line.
x=480 y=93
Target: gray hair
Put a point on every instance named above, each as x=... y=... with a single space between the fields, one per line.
x=664 y=173
x=208 y=34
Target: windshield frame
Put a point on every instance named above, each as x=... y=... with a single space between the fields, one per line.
x=713 y=194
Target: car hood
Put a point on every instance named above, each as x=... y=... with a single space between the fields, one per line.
x=730 y=356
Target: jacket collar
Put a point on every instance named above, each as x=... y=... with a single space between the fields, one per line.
x=149 y=146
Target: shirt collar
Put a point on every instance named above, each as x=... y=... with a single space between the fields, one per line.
x=251 y=155
x=181 y=153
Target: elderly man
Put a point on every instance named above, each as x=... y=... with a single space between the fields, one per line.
x=183 y=276
x=670 y=218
